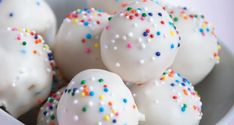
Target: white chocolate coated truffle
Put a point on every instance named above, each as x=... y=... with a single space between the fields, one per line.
x=199 y=45
x=97 y=97
x=48 y=112
x=33 y=14
x=140 y=42
x=77 y=45
x=110 y=6
x=25 y=74
x=170 y=100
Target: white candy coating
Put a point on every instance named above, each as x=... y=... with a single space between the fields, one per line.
x=140 y=42
x=77 y=45
x=199 y=45
x=48 y=112
x=97 y=97
x=170 y=100
x=25 y=74
x=33 y=14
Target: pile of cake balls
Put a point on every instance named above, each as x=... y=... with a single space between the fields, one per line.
x=115 y=62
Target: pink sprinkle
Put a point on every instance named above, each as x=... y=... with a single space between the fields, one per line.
x=18 y=38
x=90 y=20
x=108 y=27
x=129 y=45
x=203 y=34
x=14 y=29
x=87 y=50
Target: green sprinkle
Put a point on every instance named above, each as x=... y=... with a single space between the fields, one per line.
x=24 y=43
x=175 y=19
x=84 y=109
x=52 y=117
x=144 y=14
x=110 y=18
x=129 y=8
x=100 y=80
x=171 y=16
x=51 y=100
x=202 y=16
x=183 y=108
x=83 y=82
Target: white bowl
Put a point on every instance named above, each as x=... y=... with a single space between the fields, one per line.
x=217 y=90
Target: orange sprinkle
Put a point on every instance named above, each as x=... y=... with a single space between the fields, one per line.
x=185 y=92
x=110 y=103
x=34 y=52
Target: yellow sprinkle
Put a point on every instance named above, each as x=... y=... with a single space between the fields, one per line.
x=82 y=94
x=101 y=97
x=27 y=30
x=75 y=21
x=204 y=25
x=219 y=47
x=96 y=45
x=114 y=111
x=20 y=29
x=172 y=33
x=95 y=14
x=106 y=118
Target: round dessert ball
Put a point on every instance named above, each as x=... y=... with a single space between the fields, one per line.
x=33 y=14
x=48 y=112
x=77 y=45
x=97 y=97
x=27 y=72
x=170 y=100
x=140 y=42
x=110 y=6
x=199 y=50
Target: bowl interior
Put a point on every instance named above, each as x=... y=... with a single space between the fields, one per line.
x=216 y=90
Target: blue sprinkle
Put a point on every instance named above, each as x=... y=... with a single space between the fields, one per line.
x=145 y=34
x=106 y=90
x=125 y=100
x=201 y=30
x=101 y=109
x=177 y=81
x=172 y=46
x=178 y=44
x=159 y=14
x=150 y=14
x=89 y=36
x=51 y=107
x=158 y=33
x=45 y=113
x=36 y=37
x=157 y=53
x=114 y=121
x=172 y=84
x=11 y=14
x=183 y=84
x=91 y=93
x=86 y=23
x=51 y=56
